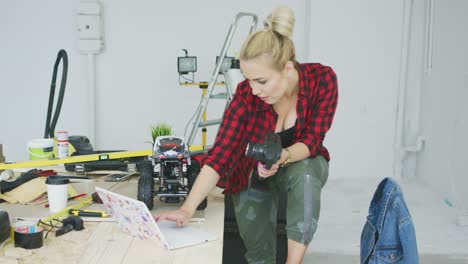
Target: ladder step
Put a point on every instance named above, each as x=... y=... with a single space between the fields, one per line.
x=210 y=122
x=219 y=96
x=208 y=94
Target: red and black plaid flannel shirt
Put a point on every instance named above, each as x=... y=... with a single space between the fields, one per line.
x=248 y=119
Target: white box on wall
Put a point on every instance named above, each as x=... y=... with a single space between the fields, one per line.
x=90 y=27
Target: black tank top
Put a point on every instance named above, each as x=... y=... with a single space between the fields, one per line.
x=287 y=136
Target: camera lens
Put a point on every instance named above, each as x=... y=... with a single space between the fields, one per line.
x=255 y=151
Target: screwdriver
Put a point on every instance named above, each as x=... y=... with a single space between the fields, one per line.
x=91 y=213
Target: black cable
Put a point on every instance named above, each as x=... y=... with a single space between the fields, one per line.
x=50 y=126
x=190 y=120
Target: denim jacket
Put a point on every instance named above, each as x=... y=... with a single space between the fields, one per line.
x=388 y=235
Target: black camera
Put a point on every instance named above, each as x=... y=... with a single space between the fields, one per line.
x=268 y=152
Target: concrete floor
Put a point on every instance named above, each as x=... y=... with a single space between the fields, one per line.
x=345 y=204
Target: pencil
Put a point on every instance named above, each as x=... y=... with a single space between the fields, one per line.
x=70 y=198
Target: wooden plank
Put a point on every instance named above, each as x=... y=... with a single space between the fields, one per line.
x=108 y=244
x=147 y=251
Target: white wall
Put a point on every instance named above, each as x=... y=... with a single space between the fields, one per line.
x=443 y=120
x=137 y=80
x=361 y=40
x=31 y=34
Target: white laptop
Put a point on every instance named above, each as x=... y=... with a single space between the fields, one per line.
x=134 y=217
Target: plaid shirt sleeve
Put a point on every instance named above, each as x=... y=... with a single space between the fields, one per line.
x=321 y=112
x=227 y=145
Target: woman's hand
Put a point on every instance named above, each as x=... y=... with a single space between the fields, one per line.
x=181 y=216
x=264 y=172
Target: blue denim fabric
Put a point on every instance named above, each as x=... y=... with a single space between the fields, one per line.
x=388 y=235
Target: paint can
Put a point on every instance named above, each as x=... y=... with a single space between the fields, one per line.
x=42 y=148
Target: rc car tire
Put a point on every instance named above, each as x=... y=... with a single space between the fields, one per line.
x=146 y=183
x=193 y=171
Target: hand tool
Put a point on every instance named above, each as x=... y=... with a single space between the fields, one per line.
x=46 y=173
x=70 y=223
x=90 y=213
x=53 y=219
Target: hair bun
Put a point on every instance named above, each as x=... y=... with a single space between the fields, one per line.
x=268 y=23
x=281 y=20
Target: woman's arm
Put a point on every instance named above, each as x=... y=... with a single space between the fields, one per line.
x=204 y=183
x=322 y=111
x=296 y=152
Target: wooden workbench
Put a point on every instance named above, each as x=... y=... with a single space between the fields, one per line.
x=104 y=242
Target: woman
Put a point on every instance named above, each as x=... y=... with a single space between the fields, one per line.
x=296 y=101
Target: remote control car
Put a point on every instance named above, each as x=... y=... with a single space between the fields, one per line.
x=171 y=169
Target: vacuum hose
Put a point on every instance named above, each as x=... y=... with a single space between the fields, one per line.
x=50 y=126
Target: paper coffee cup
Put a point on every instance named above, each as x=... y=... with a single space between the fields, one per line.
x=57 y=192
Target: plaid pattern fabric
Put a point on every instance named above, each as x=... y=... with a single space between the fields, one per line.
x=248 y=119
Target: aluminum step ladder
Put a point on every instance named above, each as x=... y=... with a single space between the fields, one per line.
x=198 y=123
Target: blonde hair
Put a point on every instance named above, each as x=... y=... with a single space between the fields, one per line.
x=274 y=41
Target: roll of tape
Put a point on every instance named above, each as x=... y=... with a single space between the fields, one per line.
x=29 y=236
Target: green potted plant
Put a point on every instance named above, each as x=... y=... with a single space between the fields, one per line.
x=160 y=129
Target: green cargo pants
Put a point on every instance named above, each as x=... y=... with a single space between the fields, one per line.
x=256 y=207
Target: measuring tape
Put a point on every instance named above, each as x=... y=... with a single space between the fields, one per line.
x=53 y=219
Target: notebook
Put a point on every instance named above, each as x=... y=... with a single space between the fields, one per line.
x=134 y=218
